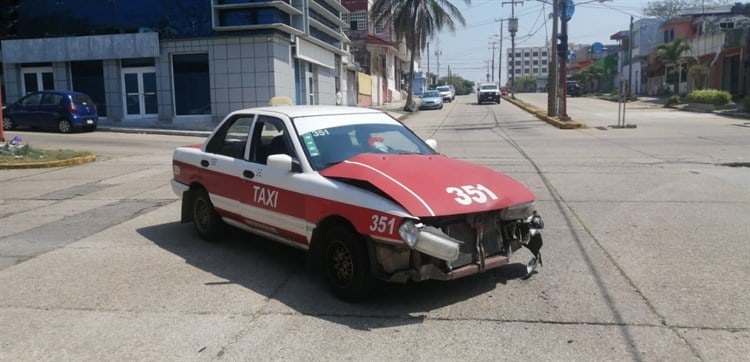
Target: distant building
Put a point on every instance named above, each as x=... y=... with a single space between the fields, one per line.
x=529 y=61
x=178 y=63
x=647 y=36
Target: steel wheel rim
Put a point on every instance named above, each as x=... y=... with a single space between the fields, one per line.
x=201 y=214
x=341 y=263
x=7 y=123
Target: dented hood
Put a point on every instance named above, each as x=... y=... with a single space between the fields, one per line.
x=433 y=185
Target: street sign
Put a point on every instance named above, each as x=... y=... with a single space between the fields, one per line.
x=597 y=49
x=570 y=8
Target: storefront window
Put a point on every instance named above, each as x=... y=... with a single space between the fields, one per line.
x=192 y=88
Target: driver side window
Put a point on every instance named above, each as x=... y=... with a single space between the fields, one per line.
x=269 y=138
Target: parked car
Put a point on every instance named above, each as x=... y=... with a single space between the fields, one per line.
x=453 y=91
x=64 y=111
x=359 y=191
x=445 y=92
x=431 y=99
x=573 y=88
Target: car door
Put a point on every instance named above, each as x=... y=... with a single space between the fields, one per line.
x=48 y=112
x=274 y=202
x=25 y=110
x=224 y=161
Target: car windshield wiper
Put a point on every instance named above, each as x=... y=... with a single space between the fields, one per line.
x=329 y=164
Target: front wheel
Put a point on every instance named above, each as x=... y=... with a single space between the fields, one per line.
x=205 y=218
x=347 y=266
x=64 y=126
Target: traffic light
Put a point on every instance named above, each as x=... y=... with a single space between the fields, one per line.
x=562 y=46
x=9 y=19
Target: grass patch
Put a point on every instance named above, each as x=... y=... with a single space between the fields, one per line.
x=11 y=154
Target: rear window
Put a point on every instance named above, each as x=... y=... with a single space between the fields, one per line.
x=82 y=100
x=489 y=86
x=443 y=89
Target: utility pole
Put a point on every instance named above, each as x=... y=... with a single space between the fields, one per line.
x=552 y=100
x=564 y=61
x=492 y=67
x=429 y=78
x=513 y=28
x=500 y=57
x=438 y=52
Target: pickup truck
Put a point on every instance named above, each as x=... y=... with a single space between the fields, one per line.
x=488 y=93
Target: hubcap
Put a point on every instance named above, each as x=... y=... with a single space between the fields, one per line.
x=7 y=123
x=64 y=126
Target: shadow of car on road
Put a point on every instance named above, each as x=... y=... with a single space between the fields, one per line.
x=281 y=273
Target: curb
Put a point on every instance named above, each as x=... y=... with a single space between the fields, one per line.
x=543 y=116
x=58 y=163
x=162 y=131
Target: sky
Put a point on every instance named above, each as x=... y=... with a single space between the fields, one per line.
x=468 y=51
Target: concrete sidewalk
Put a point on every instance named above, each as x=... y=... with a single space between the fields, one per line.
x=203 y=129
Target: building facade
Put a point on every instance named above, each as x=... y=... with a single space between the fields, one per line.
x=179 y=63
x=380 y=56
x=529 y=61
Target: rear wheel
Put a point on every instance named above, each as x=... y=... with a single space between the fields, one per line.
x=347 y=265
x=205 y=218
x=8 y=123
x=64 y=126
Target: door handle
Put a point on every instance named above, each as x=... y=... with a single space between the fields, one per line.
x=204 y=163
x=248 y=174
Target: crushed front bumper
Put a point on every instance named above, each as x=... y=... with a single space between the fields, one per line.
x=467 y=249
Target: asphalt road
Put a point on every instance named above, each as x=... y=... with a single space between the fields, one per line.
x=645 y=256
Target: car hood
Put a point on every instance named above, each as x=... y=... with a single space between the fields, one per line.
x=433 y=185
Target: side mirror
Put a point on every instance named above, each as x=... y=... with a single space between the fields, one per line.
x=280 y=162
x=432 y=143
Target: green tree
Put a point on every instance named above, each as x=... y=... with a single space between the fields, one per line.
x=698 y=75
x=462 y=85
x=415 y=21
x=525 y=84
x=587 y=76
x=674 y=55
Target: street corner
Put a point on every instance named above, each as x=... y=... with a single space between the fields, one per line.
x=47 y=164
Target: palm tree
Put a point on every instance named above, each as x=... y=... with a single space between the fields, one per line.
x=674 y=56
x=415 y=21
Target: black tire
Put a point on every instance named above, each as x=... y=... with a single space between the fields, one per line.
x=347 y=265
x=207 y=221
x=64 y=126
x=8 y=123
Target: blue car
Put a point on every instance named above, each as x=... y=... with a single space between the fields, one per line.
x=64 y=111
x=431 y=99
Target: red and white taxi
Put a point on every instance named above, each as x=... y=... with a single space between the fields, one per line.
x=364 y=195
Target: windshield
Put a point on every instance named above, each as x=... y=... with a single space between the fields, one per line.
x=488 y=86
x=431 y=94
x=444 y=89
x=328 y=146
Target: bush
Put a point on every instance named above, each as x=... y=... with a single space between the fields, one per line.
x=710 y=96
x=746 y=103
x=672 y=101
